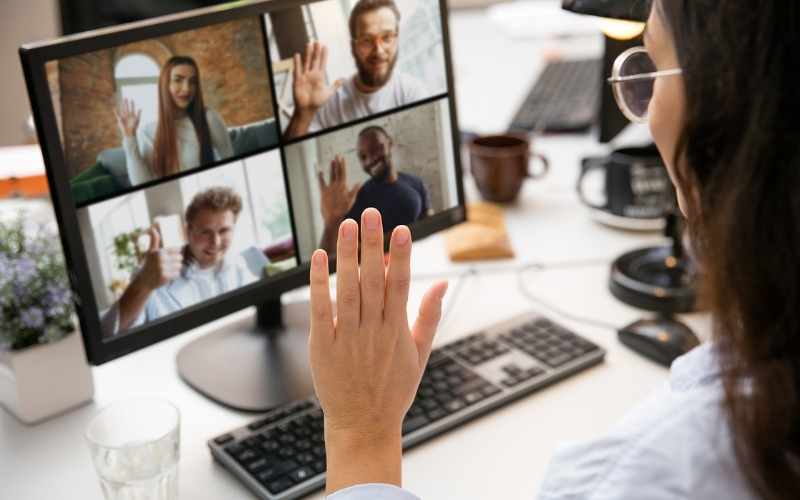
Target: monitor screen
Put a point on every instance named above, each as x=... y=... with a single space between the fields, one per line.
x=197 y=160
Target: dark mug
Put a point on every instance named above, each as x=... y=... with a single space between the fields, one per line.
x=499 y=164
x=637 y=185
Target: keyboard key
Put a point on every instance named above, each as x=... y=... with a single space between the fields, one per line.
x=303 y=445
x=471 y=386
x=247 y=456
x=443 y=398
x=305 y=458
x=225 y=438
x=454 y=405
x=234 y=449
x=559 y=360
x=535 y=371
x=302 y=474
x=319 y=466
x=257 y=465
x=287 y=439
x=275 y=471
x=473 y=397
x=252 y=442
x=415 y=410
x=436 y=414
x=281 y=484
x=429 y=405
x=436 y=357
x=414 y=423
x=490 y=391
x=258 y=424
x=452 y=368
x=271 y=446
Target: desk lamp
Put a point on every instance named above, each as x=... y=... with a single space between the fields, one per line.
x=661 y=279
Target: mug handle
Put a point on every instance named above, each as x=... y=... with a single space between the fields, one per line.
x=545 y=165
x=587 y=165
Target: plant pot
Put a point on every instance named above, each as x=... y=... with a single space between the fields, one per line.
x=45 y=380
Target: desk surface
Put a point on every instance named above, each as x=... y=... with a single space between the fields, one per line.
x=506 y=451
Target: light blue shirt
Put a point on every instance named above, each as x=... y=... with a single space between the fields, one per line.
x=187 y=289
x=674 y=444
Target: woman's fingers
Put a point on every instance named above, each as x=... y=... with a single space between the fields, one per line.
x=373 y=274
x=430 y=312
x=398 y=277
x=348 y=296
x=322 y=330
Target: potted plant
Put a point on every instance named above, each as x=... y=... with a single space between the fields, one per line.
x=43 y=368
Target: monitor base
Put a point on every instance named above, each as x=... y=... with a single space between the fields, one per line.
x=254 y=364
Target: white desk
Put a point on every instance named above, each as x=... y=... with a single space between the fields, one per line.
x=501 y=455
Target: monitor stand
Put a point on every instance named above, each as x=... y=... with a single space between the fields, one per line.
x=254 y=364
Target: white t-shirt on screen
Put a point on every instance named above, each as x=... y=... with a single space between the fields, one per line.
x=349 y=103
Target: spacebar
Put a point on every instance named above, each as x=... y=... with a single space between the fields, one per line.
x=414 y=423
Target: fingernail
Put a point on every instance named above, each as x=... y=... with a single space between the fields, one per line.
x=371 y=219
x=350 y=230
x=319 y=258
x=443 y=290
x=401 y=236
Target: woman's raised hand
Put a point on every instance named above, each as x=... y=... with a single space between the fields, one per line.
x=127 y=118
x=367 y=362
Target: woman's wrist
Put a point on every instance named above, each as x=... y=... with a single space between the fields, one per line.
x=360 y=456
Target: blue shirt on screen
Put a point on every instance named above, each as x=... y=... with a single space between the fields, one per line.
x=400 y=203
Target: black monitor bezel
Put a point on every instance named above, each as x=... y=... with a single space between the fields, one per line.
x=35 y=55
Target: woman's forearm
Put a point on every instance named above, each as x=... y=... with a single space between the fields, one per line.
x=139 y=170
x=220 y=140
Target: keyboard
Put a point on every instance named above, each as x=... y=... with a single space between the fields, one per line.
x=564 y=98
x=281 y=456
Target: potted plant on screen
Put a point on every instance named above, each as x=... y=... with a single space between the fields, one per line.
x=43 y=369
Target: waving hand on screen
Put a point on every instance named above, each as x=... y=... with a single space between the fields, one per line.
x=310 y=88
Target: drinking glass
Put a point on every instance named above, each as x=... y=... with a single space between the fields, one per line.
x=135 y=447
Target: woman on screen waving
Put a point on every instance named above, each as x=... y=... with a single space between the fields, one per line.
x=187 y=134
x=720 y=94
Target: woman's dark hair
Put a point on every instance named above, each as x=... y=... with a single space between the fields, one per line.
x=165 y=145
x=738 y=164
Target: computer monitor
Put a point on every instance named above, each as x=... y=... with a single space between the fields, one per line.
x=188 y=184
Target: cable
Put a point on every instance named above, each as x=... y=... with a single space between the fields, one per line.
x=454 y=294
x=549 y=305
x=519 y=271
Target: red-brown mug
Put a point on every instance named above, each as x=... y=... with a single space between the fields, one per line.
x=500 y=163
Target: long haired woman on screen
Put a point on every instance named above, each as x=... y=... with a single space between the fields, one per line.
x=186 y=135
x=720 y=94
